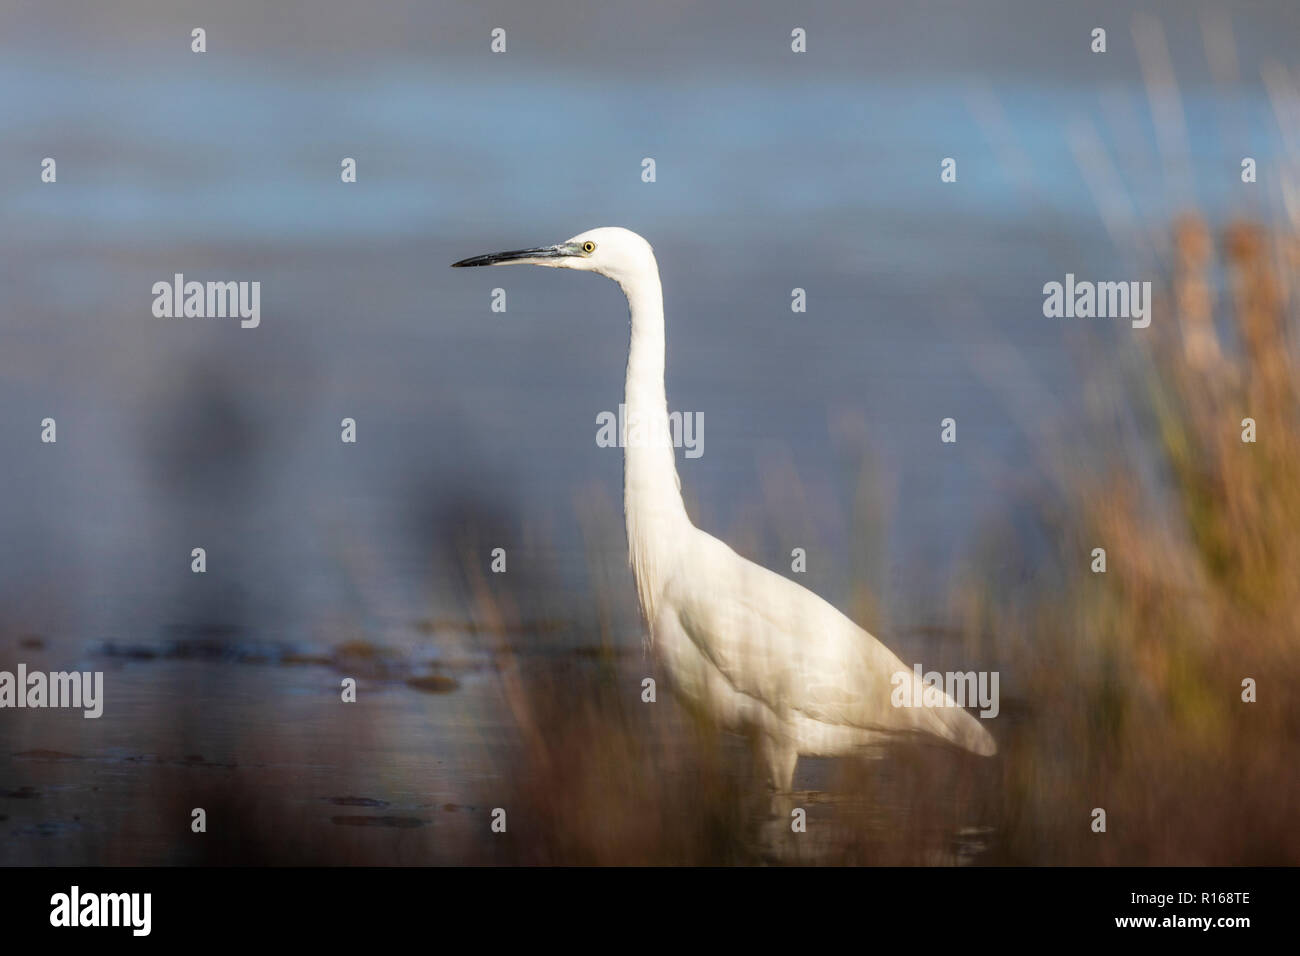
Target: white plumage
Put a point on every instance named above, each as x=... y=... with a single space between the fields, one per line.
x=760 y=654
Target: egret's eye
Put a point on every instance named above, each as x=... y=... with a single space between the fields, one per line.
x=588 y=247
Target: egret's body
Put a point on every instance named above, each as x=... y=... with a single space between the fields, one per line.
x=760 y=654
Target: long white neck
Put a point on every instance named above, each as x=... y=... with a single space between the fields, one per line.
x=652 y=500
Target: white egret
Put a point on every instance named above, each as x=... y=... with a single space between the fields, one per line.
x=762 y=655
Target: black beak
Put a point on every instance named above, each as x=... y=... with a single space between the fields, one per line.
x=517 y=255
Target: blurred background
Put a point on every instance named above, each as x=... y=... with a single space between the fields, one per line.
x=476 y=429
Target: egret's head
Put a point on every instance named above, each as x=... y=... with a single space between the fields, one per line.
x=611 y=251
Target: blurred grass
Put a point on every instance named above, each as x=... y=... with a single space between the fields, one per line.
x=1132 y=679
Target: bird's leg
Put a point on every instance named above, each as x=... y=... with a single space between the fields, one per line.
x=779 y=758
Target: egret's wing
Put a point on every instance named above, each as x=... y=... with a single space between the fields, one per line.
x=782 y=644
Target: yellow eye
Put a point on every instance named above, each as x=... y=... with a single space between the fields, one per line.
x=588 y=247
